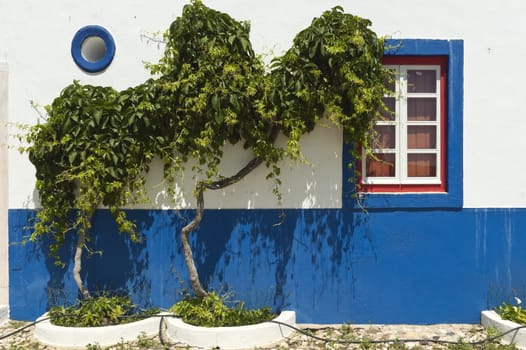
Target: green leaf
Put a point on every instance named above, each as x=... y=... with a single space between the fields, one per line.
x=97 y=115
x=71 y=157
x=215 y=102
x=219 y=117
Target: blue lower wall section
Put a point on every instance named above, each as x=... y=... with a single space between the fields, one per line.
x=330 y=266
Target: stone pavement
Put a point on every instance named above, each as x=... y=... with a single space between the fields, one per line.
x=339 y=334
x=365 y=336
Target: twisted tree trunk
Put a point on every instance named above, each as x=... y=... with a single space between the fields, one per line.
x=201 y=186
x=77 y=263
x=195 y=283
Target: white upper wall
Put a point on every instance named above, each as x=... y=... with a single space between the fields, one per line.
x=35 y=39
x=4 y=273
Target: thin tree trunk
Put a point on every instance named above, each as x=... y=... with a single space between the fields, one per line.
x=77 y=263
x=195 y=282
x=77 y=266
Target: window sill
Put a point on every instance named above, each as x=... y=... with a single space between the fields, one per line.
x=404 y=200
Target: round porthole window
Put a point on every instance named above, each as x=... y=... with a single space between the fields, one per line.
x=93 y=48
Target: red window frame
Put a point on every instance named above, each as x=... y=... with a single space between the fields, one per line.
x=404 y=187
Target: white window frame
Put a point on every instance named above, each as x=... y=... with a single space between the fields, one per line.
x=401 y=124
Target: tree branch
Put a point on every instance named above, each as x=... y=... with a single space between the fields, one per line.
x=251 y=165
x=195 y=283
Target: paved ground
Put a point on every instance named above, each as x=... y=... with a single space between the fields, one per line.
x=335 y=337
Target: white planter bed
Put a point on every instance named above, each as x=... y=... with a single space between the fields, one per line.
x=492 y=319
x=80 y=337
x=231 y=337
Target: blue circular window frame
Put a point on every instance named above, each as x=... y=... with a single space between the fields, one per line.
x=76 y=48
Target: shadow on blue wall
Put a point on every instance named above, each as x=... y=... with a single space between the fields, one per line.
x=329 y=265
x=254 y=253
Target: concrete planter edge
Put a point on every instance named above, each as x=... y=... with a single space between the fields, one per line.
x=241 y=337
x=491 y=319
x=80 y=337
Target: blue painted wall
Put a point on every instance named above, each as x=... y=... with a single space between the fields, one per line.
x=387 y=266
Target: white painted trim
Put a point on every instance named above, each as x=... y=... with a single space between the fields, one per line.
x=242 y=337
x=80 y=337
x=492 y=319
x=401 y=124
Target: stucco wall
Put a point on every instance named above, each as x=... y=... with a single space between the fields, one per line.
x=319 y=256
x=3 y=186
x=37 y=49
x=329 y=265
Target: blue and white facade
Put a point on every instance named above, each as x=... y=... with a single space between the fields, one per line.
x=408 y=258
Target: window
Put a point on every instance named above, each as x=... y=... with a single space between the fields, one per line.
x=410 y=149
x=424 y=168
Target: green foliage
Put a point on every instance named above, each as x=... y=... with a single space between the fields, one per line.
x=89 y=152
x=398 y=345
x=25 y=346
x=213 y=311
x=17 y=324
x=514 y=313
x=143 y=342
x=498 y=346
x=103 y=310
x=333 y=69
x=208 y=89
x=347 y=332
x=461 y=345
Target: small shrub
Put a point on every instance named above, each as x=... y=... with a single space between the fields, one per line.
x=514 y=313
x=460 y=345
x=143 y=342
x=498 y=346
x=398 y=345
x=213 y=311
x=103 y=310
x=17 y=324
x=347 y=332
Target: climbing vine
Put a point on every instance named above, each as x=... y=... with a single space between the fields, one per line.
x=208 y=89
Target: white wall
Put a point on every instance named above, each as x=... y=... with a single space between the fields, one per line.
x=39 y=36
x=37 y=48
x=38 y=51
x=4 y=282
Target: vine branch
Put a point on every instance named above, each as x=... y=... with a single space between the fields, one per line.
x=194 y=224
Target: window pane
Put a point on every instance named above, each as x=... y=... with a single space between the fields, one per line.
x=383 y=166
x=422 y=109
x=421 y=137
x=421 y=165
x=385 y=136
x=421 y=80
x=390 y=103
